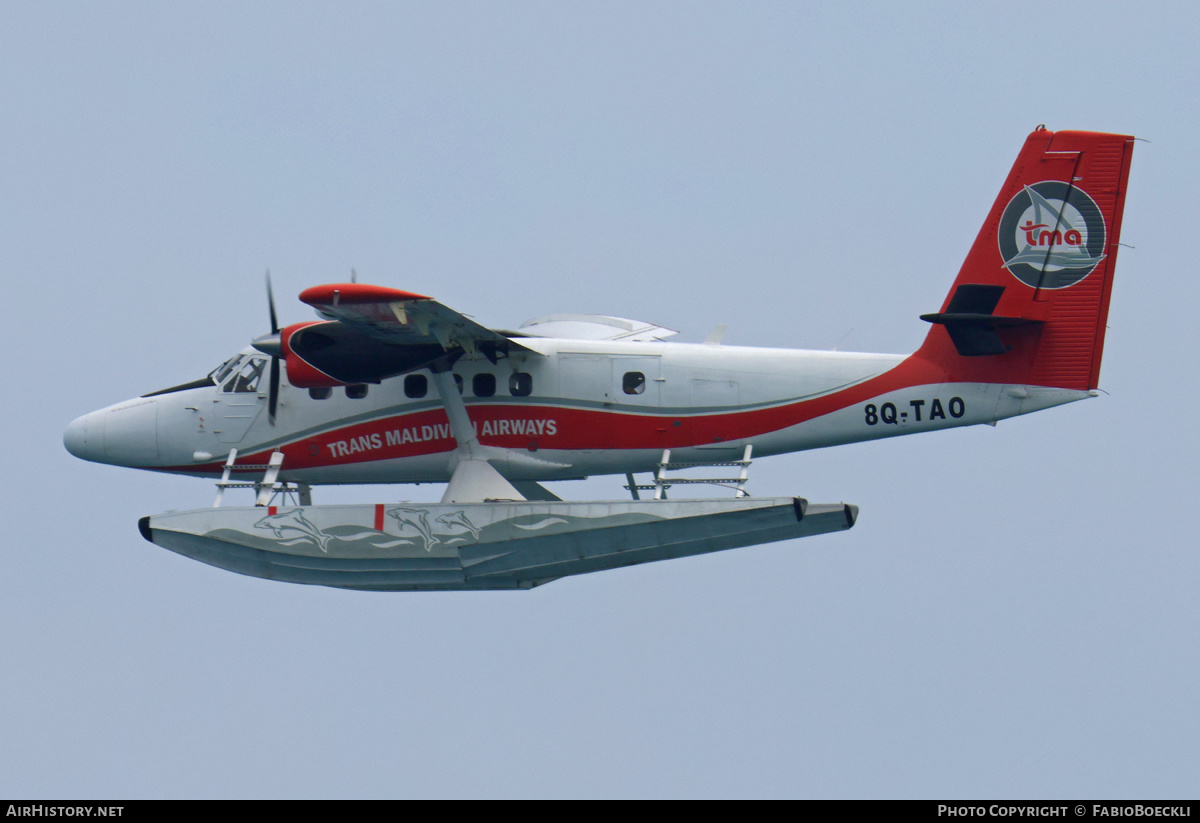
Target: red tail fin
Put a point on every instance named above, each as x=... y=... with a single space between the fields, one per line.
x=1031 y=300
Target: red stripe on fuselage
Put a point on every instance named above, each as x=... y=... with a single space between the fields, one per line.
x=568 y=428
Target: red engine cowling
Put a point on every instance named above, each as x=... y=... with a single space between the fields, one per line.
x=300 y=372
x=324 y=354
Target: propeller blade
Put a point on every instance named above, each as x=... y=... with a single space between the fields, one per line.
x=272 y=345
x=273 y=396
x=271 y=304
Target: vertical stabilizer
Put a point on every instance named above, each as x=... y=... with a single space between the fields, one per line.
x=1030 y=303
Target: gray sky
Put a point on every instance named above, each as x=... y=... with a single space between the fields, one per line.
x=1015 y=613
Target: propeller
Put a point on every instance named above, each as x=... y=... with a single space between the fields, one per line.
x=272 y=344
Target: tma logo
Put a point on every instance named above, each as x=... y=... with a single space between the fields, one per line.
x=1051 y=235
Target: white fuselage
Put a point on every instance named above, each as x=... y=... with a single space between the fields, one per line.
x=575 y=408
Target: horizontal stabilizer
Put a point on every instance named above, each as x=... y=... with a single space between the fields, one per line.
x=970 y=323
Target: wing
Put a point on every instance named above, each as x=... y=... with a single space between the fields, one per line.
x=403 y=318
x=374 y=332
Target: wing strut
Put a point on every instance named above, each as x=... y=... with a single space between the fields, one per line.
x=474 y=479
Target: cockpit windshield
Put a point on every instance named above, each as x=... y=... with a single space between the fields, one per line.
x=222 y=371
x=246 y=370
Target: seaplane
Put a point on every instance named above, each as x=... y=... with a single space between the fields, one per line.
x=388 y=386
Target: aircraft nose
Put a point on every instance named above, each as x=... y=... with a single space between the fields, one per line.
x=123 y=435
x=84 y=437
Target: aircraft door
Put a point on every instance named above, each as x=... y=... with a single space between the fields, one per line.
x=240 y=399
x=636 y=380
x=583 y=376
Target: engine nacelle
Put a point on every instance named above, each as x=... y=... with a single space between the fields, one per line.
x=324 y=354
x=300 y=372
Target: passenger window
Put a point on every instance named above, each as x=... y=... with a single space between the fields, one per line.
x=416 y=385
x=356 y=391
x=458 y=381
x=483 y=385
x=320 y=392
x=520 y=384
x=634 y=382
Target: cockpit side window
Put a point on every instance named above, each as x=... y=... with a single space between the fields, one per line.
x=247 y=377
